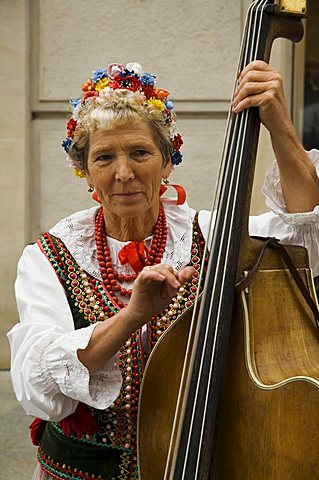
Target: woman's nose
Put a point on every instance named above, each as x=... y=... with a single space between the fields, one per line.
x=124 y=171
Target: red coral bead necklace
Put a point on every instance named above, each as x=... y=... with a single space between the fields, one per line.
x=111 y=277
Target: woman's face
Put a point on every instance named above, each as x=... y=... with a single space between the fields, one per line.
x=125 y=166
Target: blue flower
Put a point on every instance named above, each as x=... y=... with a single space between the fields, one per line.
x=98 y=75
x=66 y=144
x=168 y=104
x=148 y=79
x=126 y=73
x=75 y=102
x=177 y=158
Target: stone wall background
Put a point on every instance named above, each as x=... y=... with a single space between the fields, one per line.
x=50 y=47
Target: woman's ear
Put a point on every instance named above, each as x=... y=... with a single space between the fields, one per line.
x=167 y=169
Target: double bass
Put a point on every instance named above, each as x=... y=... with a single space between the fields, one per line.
x=230 y=392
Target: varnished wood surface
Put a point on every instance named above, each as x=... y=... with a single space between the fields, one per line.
x=262 y=434
x=267 y=434
x=158 y=398
x=271 y=432
x=282 y=343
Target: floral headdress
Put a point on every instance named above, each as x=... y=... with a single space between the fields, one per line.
x=129 y=77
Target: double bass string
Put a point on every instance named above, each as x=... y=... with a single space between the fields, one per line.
x=229 y=125
x=232 y=192
x=240 y=124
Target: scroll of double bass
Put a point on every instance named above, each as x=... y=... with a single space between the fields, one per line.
x=231 y=390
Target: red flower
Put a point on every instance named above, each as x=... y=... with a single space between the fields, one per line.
x=71 y=126
x=88 y=86
x=168 y=116
x=161 y=94
x=127 y=83
x=148 y=91
x=177 y=142
x=89 y=94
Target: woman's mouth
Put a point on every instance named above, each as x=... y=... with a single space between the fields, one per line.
x=126 y=194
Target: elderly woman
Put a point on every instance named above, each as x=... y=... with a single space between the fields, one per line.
x=95 y=293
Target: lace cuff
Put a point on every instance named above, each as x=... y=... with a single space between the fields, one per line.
x=60 y=365
x=304 y=222
x=274 y=197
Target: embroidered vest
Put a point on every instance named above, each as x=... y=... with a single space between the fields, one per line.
x=95 y=443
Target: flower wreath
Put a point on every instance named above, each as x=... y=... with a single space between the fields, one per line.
x=127 y=77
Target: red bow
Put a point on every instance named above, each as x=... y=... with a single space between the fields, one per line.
x=81 y=422
x=181 y=194
x=134 y=253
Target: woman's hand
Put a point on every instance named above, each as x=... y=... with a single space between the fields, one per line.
x=260 y=85
x=153 y=289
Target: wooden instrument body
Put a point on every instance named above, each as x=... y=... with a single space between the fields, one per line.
x=264 y=431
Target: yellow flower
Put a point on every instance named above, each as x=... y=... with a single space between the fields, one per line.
x=79 y=172
x=101 y=84
x=157 y=103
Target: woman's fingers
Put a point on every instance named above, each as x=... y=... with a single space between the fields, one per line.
x=256 y=92
x=261 y=85
x=170 y=279
x=162 y=273
x=256 y=65
x=185 y=274
x=153 y=289
x=166 y=275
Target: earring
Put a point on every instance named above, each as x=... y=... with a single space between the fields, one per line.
x=181 y=193
x=90 y=189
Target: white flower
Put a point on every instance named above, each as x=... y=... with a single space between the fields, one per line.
x=76 y=112
x=135 y=67
x=106 y=93
x=173 y=129
x=72 y=163
x=114 y=69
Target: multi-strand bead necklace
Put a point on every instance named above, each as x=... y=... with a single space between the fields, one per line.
x=111 y=278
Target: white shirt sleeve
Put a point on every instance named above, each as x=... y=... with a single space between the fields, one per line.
x=47 y=376
x=294 y=229
x=290 y=228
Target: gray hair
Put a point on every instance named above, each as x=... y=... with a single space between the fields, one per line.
x=114 y=108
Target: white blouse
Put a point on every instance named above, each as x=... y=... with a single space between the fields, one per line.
x=47 y=376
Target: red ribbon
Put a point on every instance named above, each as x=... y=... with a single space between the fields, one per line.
x=134 y=253
x=96 y=198
x=181 y=194
x=81 y=422
x=36 y=430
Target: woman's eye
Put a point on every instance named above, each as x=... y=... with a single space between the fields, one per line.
x=141 y=152
x=104 y=158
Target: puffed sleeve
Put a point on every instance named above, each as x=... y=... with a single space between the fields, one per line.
x=47 y=376
x=290 y=228
x=293 y=228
